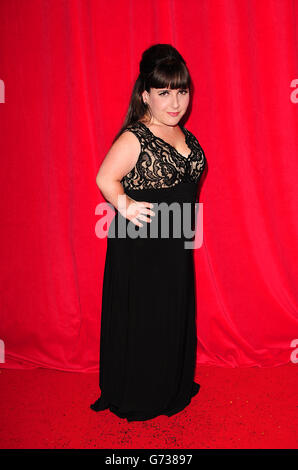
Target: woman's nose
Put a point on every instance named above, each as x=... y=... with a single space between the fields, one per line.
x=175 y=101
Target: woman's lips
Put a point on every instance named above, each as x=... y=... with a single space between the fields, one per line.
x=173 y=114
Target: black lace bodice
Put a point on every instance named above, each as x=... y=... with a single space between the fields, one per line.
x=160 y=165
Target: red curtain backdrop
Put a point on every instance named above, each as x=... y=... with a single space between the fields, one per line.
x=68 y=67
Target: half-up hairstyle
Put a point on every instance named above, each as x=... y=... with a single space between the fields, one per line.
x=161 y=66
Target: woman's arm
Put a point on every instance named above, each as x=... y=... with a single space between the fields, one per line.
x=120 y=160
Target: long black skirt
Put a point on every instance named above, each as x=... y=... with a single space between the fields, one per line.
x=148 y=329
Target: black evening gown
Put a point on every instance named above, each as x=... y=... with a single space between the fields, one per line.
x=148 y=330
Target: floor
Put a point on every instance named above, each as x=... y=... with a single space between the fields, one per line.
x=248 y=408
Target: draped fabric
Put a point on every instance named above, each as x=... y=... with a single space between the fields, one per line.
x=67 y=68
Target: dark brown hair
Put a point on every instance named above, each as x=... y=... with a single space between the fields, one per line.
x=161 y=66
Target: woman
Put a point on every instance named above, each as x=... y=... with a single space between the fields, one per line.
x=148 y=332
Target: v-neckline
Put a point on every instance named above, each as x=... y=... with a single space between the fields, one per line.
x=167 y=143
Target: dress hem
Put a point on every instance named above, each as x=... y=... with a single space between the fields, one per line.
x=137 y=416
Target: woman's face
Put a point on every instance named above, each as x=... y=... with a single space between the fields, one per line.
x=163 y=102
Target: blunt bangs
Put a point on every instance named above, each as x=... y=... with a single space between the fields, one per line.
x=170 y=74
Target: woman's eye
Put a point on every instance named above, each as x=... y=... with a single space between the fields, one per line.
x=163 y=93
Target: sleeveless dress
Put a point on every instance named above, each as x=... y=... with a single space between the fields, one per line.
x=148 y=331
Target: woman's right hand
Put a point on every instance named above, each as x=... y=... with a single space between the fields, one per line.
x=137 y=210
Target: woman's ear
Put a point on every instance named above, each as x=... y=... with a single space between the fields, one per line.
x=144 y=96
